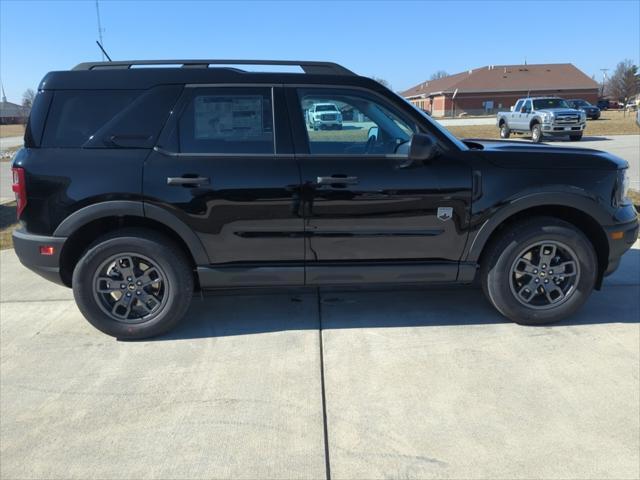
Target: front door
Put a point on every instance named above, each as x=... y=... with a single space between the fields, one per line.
x=369 y=216
x=224 y=167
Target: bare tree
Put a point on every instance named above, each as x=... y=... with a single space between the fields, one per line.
x=382 y=81
x=438 y=74
x=27 y=98
x=623 y=84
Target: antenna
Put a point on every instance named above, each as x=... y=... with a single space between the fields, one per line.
x=4 y=95
x=104 y=52
x=100 y=30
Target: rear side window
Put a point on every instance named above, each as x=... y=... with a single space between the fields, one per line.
x=228 y=120
x=75 y=116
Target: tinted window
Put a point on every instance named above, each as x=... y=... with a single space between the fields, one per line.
x=227 y=120
x=527 y=106
x=360 y=125
x=75 y=116
x=518 y=105
x=550 y=103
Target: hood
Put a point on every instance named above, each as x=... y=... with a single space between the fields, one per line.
x=517 y=154
x=561 y=111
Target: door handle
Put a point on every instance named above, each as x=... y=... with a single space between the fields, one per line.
x=337 y=180
x=188 y=181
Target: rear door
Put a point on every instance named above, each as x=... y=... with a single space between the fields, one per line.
x=224 y=167
x=370 y=217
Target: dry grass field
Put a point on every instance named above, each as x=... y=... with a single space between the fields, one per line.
x=11 y=131
x=611 y=122
x=7 y=224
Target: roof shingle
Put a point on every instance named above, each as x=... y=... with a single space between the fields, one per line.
x=508 y=78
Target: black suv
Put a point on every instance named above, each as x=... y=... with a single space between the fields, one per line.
x=138 y=186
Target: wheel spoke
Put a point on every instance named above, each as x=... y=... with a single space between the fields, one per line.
x=125 y=266
x=528 y=291
x=553 y=292
x=525 y=266
x=150 y=275
x=149 y=300
x=122 y=307
x=565 y=269
x=107 y=285
x=547 y=252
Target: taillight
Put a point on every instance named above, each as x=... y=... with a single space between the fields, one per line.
x=19 y=187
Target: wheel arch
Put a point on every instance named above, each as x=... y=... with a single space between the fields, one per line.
x=574 y=212
x=87 y=224
x=534 y=121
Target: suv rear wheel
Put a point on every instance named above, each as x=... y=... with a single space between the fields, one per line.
x=539 y=271
x=133 y=284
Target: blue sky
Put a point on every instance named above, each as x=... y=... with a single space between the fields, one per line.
x=403 y=42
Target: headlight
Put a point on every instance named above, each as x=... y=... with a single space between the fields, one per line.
x=548 y=117
x=622 y=186
x=583 y=116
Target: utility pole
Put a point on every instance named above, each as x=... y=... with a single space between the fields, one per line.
x=99 y=27
x=604 y=79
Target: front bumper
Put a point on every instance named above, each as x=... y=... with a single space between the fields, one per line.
x=620 y=237
x=27 y=247
x=562 y=129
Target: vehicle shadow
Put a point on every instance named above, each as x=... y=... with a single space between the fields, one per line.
x=230 y=313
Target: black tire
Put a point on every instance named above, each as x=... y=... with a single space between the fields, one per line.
x=575 y=138
x=536 y=133
x=169 y=303
x=505 y=131
x=500 y=259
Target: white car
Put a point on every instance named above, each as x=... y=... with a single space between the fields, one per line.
x=324 y=116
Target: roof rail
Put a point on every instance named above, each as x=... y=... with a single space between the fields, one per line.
x=309 y=67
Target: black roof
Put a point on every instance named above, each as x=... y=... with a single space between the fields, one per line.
x=125 y=75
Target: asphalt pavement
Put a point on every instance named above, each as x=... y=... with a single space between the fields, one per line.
x=402 y=383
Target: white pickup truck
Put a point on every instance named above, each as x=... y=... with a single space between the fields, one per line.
x=542 y=117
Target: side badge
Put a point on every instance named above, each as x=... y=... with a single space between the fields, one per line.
x=445 y=213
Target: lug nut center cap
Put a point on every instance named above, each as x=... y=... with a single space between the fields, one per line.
x=132 y=286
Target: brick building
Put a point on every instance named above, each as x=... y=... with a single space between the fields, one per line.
x=497 y=87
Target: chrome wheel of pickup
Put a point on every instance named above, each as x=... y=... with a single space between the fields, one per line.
x=544 y=275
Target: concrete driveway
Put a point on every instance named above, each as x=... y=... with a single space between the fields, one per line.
x=342 y=384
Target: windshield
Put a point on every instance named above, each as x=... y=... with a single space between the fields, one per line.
x=550 y=103
x=581 y=103
x=326 y=108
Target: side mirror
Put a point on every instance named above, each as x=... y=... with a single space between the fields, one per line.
x=512 y=108
x=423 y=148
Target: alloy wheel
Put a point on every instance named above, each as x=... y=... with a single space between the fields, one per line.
x=544 y=275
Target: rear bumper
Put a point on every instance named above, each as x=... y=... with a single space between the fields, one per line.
x=27 y=247
x=621 y=238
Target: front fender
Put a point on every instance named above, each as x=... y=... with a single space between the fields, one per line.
x=498 y=215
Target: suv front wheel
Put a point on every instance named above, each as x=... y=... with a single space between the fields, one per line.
x=133 y=284
x=539 y=271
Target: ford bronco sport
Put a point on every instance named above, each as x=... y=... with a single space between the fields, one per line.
x=138 y=186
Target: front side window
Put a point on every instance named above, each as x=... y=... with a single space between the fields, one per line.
x=527 y=106
x=343 y=121
x=518 y=106
x=227 y=120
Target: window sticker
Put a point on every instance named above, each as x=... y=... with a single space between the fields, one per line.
x=225 y=117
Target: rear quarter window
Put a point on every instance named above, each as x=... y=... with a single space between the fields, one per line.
x=75 y=116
